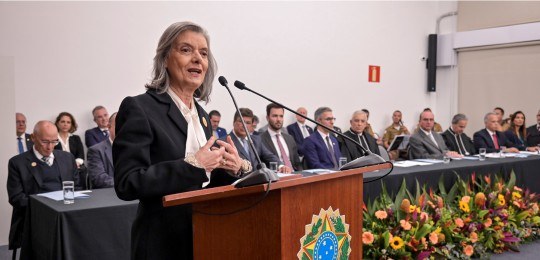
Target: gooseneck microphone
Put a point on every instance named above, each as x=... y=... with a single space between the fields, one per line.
x=262 y=174
x=369 y=158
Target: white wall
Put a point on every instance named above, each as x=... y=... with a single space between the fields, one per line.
x=74 y=55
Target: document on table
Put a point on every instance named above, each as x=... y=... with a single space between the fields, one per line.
x=529 y=153
x=430 y=161
x=59 y=195
x=410 y=163
x=472 y=158
x=319 y=171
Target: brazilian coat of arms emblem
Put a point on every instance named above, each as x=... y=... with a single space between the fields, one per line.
x=327 y=237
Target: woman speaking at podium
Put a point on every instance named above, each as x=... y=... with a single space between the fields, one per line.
x=164 y=144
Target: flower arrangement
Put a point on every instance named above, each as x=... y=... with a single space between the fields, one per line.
x=474 y=218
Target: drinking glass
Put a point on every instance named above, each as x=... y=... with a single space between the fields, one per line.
x=69 y=192
x=482 y=154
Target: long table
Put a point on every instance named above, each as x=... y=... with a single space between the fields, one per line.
x=98 y=227
x=527 y=172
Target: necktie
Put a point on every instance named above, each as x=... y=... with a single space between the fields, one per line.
x=495 y=141
x=46 y=160
x=246 y=148
x=331 y=150
x=305 y=131
x=106 y=133
x=461 y=147
x=433 y=139
x=363 y=142
x=21 y=148
x=284 y=156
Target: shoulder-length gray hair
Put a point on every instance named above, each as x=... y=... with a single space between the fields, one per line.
x=160 y=80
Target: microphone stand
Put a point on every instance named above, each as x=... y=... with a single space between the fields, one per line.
x=367 y=160
x=262 y=174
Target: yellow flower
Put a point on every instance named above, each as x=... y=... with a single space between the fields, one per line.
x=516 y=195
x=396 y=243
x=412 y=208
x=501 y=200
x=464 y=206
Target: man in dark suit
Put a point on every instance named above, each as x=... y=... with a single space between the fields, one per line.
x=426 y=143
x=100 y=161
x=40 y=169
x=299 y=130
x=239 y=137
x=456 y=139
x=533 y=132
x=490 y=138
x=24 y=141
x=321 y=149
x=215 y=118
x=359 y=133
x=101 y=131
x=277 y=141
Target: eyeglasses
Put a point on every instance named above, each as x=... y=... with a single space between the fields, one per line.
x=329 y=119
x=46 y=142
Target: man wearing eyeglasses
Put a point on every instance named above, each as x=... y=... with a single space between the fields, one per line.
x=40 y=169
x=321 y=149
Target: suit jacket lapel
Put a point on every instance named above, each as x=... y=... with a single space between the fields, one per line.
x=428 y=140
x=33 y=167
x=63 y=167
x=173 y=112
x=108 y=154
x=489 y=140
x=204 y=120
x=268 y=141
x=239 y=145
x=323 y=143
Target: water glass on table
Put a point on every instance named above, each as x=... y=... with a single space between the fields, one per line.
x=68 y=188
x=482 y=154
x=274 y=166
x=342 y=161
x=446 y=159
x=501 y=151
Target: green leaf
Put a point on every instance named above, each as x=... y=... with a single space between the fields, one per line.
x=482 y=213
x=417 y=192
x=399 y=198
x=451 y=194
x=442 y=190
x=422 y=232
x=386 y=237
x=512 y=182
x=521 y=216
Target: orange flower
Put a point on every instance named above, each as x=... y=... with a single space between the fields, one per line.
x=405 y=204
x=424 y=216
x=424 y=242
x=480 y=199
x=459 y=222
x=405 y=224
x=381 y=214
x=488 y=222
x=440 y=202
x=468 y=250
x=517 y=188
x=441 y=237
x=433 y=238
x=367 y=238
x=466 y=199
x=474 y=237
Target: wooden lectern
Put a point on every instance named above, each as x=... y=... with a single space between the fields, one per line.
x=272 y=229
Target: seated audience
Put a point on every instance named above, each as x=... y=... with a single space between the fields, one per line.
x=369 y=129
x=517 y=133
x=455 y=138
x=426 y=143
x=215 y=118
x=100 y=161
x=239 y=137
x=503 y=123
x=533 y=132
x=321 y=150
x=24 y=142
x=101 y=132
x=253 y=126
x=490 y=138
x=40 y=169
x=359 y=133
x=277 y=141
x=66 y=125
x=397 y=128
x=299 y=130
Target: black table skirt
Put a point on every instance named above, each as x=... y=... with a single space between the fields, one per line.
x=98 y=227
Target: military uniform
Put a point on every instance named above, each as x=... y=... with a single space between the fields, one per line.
x=389 y=134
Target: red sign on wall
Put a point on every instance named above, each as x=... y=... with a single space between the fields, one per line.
x=374 y=73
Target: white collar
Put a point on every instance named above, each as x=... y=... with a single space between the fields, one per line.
x=425 y=132
x=491 y=133
x=273 y=133
x=39 y=156
x=322 y=134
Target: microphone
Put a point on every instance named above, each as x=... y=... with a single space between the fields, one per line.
x=369 y=158
x=262 y=174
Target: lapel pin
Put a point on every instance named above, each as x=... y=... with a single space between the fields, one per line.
x=33 y=164
x=204 y=122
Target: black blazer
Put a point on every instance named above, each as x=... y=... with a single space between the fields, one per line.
x=451 y=142
x=351 y=150
x=482 y=139
x=75 y=146
x=93 y=136
x=148 y=154
x=291 y=145
x=294 y=130
x=25 y=179
x=533 y=136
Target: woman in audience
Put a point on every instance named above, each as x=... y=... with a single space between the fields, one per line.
x=517 y=132
x=66 y=124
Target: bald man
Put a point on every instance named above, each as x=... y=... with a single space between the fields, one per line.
x=40 y=169
x=299 y=130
